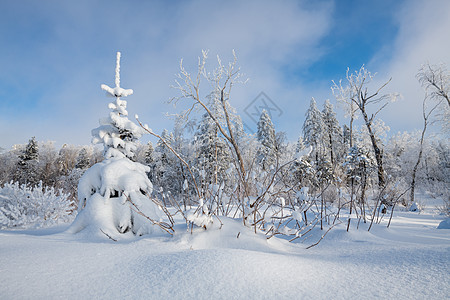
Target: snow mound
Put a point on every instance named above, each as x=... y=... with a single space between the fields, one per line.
x=415 y=207
x=230 y=233
x=444 y=224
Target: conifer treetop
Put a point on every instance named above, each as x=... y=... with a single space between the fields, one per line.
x=117 y=91
x=116 y=132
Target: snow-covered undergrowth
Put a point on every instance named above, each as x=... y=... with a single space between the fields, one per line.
x=408 y=260
x=25 y=206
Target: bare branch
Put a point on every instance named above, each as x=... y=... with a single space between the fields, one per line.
x=175 y=153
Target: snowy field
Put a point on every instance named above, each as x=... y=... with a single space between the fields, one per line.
x=409 y=260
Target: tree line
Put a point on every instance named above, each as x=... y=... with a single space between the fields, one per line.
x=221 y=170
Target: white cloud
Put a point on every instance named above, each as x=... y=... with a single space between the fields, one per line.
x=424 y=28
x=78 y=54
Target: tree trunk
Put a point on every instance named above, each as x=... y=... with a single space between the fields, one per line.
x=321 y=211
x=215 y=153
x=363 y=193
x=413 y=181
x=351 y=131
x=351 y=203
x=376 y=150
x=331 y=149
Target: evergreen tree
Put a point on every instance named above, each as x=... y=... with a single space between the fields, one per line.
x=213 y=155
x=302 y=173
x=27 y=171
x=358 y=165
x=31 y=151
x=165 y=164
x=266 y=155
x=82 y=159
x=113 y=194
x=150 y=161
x=163 y=156
x=148 y=155
x=333 y=133
x=313 y=130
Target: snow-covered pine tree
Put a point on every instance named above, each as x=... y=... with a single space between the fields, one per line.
x=111 y=192
x=167 y=136
x=31 y=151
x=313 y=130
x=266 y=155
x=299 y=146
x=82 y=159
x=357 y=163
x=213 y=156
x=169 y=171
x=149 y=160
x=28 y=164
x=333 y=133
x=148 y=155
x=163 y=161
x=302 y=174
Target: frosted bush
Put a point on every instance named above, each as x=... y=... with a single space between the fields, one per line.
x=39 y=206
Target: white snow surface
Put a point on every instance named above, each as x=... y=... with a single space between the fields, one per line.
x=409 y=260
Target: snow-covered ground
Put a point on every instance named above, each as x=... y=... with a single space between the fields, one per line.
x=409 y=260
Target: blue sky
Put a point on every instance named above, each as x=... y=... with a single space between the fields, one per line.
x=55 y=54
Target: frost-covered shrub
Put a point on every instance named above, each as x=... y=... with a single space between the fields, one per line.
x=39 y=206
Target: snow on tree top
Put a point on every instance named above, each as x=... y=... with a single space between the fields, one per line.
x=117 y=91
x=116 y=132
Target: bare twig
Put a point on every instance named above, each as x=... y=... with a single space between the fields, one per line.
x=323 y=235
x=110 y=237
